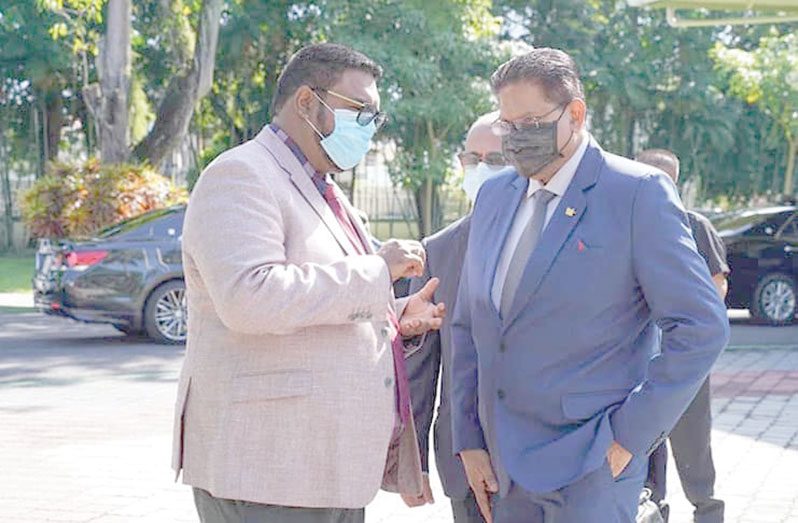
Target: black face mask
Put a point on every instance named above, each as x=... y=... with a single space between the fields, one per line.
x=532 y=147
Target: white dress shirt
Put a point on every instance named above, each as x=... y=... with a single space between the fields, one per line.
x=557 y=185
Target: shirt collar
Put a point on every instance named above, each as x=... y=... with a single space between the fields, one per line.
x=294 y=148
x=562 y=179
x=319 y=179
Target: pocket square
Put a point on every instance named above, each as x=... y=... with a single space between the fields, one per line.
x=580 y=246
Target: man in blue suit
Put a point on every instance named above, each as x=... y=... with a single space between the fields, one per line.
x=574 y=259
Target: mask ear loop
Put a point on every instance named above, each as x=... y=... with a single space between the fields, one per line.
x=570 y=137
x=311 y=123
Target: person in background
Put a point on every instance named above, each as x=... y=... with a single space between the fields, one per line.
x=481 y=160
x=293 y=404
x=690 y=439
x=575 y=257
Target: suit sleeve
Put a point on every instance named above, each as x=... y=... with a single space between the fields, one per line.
x=678 y=289
x=236 y=235
x=423 y=370
x=466 y=429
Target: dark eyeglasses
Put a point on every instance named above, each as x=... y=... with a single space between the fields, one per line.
x=494 y=159
x=366 y=113
x=503 y=127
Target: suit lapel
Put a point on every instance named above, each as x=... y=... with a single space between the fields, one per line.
x=505 y=207
x=304 y=184
x=558 y=230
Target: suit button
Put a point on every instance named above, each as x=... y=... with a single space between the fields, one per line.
x=502 y=347
x=388 y=382
x=500 y=394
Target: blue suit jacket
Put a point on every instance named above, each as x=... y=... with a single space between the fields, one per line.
x=548 y=388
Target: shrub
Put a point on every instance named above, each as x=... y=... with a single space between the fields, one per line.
x=78 y=200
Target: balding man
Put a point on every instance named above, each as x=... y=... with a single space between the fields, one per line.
x=691 y=437
x=481 y=160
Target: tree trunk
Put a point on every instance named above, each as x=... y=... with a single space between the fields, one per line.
x=428 y=201
x=184 y=91
x=115 y=83
x=792 y=149
x=7 y=196
x=630 y=135
x=38 y=136
x=53 y=106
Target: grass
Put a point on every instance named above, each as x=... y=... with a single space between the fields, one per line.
x=16 y=271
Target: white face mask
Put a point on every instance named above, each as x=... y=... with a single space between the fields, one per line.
x=476 y=175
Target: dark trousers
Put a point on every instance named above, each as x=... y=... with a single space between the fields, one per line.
x=691 y=446
x=218 y=510
x=466 y=510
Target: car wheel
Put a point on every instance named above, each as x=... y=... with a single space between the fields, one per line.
x=775 y=299
x=166 y=314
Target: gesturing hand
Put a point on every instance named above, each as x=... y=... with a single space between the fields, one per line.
x=405 y=258
x=479 y=472
x=421 y=314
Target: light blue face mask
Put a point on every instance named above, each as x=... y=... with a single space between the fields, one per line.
x=349 y=141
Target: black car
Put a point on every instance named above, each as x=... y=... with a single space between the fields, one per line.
x=130 y=276
x=762 y=249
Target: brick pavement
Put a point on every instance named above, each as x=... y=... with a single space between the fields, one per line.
x=85 y=420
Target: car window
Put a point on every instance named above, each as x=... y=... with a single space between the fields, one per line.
x=753 y=222
x=168 y=226
x=139 y=227
x=791 y=229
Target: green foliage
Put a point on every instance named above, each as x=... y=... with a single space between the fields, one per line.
x=647 y=84
x=437 y=58
x=77 y=22
x=652 y=85
x=78 y=200
x=766 y=76
x=16 y=271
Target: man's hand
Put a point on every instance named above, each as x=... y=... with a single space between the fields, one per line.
x=423 y=499
x=420 y=314
x=405 y=258
x=479 y=472
x=618 y=458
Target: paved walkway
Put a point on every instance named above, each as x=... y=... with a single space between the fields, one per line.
x=85 y=420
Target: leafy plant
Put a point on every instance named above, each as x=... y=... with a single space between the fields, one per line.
x=78 y=200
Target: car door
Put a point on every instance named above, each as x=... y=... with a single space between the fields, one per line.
x=788 y=244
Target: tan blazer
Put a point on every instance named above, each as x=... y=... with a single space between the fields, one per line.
x=286 y=395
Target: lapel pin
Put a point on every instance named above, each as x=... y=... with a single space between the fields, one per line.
x=570 y=212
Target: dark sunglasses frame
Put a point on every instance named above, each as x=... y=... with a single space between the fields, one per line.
x=366 y=113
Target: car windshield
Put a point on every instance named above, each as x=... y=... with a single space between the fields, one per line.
x=134 y=223
x=738 y=223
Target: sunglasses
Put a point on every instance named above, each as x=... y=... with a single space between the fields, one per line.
x=366 y=113
x=494 y=159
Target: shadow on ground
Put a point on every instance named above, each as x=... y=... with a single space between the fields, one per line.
x=38 y=351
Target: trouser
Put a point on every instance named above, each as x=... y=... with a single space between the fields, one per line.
x=466 y=510
x=595 y=498
x=690 y=443
x=218 y=510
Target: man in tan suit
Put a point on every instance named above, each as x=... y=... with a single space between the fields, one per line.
x=293 y=403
